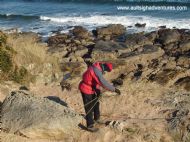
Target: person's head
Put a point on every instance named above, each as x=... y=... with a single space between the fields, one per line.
x=106 y=67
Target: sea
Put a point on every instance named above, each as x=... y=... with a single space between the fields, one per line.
x=45 y=17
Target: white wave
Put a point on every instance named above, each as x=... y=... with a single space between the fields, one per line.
x=101 y=20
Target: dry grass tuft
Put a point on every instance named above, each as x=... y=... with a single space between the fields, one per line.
x=32 y=54
x=28 y=49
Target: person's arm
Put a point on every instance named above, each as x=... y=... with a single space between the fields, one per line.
x=104 y=83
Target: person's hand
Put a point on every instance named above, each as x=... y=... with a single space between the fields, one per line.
x=117 y=91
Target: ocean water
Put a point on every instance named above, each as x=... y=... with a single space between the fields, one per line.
x=46 y=16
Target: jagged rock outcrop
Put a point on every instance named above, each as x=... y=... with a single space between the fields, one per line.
x=143 y=54
x=58 y=39
x=138 y=39
x=167 y=36
x=80 y=32
x=36 y=117
x=109 y=31
x=108 y=50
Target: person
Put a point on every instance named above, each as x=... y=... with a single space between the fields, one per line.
x=89 y=87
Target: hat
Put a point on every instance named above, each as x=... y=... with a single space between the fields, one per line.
x=107 y=67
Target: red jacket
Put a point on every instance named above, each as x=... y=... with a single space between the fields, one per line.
x=89 y=80
x=93 y=79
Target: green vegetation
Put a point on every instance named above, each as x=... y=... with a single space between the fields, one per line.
x=5 y=61
x=8 y=69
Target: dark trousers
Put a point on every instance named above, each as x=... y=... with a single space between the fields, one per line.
x=91 y=108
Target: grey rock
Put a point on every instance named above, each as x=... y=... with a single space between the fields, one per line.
x=37 y=117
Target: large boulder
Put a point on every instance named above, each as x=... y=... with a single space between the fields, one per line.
x=112 y=29
x=167 y=36
x=80 y=32
x=137 y=39
x=107 y=50
x=36 y=117
x=143 y=55
x=139 y=25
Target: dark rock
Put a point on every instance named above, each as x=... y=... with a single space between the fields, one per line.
x=57 y=100
x=146 y=49
x=137 y=40
x=138 y=25
x=24 y=88
x=162 y=27
x=168 y=77
x=183 y=83
x=117 y=82
x=167 y=36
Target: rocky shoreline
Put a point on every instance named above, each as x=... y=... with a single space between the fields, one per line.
x=152 y=70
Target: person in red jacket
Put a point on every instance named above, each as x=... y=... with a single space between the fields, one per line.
x=90 y=89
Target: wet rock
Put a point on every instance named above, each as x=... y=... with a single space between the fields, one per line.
x=113 y=29
x=37 y=117
x=138 y=25
x=167 y=36
x=162 y=27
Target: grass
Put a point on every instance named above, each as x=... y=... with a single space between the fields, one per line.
x=23 y=57
x=32 y=55
x=28 y=49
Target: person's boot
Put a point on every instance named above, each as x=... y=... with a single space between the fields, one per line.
x=92 y=129
x=99 y=121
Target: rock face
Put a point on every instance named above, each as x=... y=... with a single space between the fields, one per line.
x=80 y=32
x=168 y=36
x=113 y=29
x=137 y=40
x=35 y=117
